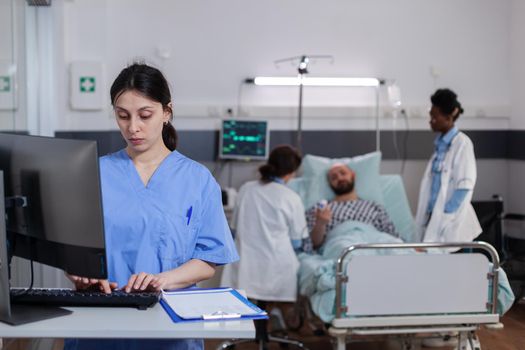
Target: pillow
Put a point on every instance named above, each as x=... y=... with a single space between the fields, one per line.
x=315 y=184
x=297 y=184
x=397 y=206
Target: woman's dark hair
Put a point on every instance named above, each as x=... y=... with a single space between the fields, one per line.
x=283 y=160
x=447 y=101
x=150 y=83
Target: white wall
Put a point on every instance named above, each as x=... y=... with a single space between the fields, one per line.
x=213 y=45
x=6 y=52
x=516 y=169
x=473 y=46
x=517 y=63
x=12 y=53
x=516 y=197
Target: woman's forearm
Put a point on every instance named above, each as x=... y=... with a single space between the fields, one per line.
x=188 y=274
x=456 y=200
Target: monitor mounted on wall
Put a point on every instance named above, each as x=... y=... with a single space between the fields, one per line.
x=244 y=139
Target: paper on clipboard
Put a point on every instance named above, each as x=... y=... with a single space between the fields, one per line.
x=210 y=304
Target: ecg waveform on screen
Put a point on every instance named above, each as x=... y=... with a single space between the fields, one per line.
x=244 y=138
x=244 y=151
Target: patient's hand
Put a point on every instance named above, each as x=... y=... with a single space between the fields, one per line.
x=318 y=233
x=323 y=216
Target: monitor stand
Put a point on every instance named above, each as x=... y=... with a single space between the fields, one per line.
x=21 y=314
x=17 y=314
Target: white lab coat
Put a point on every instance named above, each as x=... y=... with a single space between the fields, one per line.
x=266 y=218
x=459 y=172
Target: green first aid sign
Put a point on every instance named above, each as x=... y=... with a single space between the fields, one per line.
x=87 y=84
x=5 y=84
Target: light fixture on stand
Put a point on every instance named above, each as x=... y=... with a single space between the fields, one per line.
x=302 y=80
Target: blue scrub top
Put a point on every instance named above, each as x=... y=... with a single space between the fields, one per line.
x=442 y=145
x=176 y=217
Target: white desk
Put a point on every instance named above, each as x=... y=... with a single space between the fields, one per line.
x=91 y=322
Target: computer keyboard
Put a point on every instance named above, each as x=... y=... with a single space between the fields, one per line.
x=69 y=297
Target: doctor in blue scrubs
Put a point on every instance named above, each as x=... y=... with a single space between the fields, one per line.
x=164 y=222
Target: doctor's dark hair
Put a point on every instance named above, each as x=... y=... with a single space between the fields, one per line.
x=149 y=82
x=283 y=160
x=447 y=101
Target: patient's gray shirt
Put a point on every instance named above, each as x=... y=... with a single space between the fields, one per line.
x=360 y=210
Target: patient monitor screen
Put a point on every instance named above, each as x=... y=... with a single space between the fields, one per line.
x=241 y=139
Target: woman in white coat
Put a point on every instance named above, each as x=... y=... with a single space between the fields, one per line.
x=270 y=225
x=444 y=212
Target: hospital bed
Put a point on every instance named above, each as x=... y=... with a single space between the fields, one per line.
x=406 y=295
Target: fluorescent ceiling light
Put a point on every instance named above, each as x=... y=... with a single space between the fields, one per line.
x=313 y=81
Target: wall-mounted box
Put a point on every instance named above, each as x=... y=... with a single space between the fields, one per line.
x=8 y=87
x=87 y=85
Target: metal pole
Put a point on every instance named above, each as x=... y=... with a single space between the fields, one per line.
x=378 y=136
x=300 y=114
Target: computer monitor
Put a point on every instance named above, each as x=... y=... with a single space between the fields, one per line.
x=53 y=205
x=244 y=139
x=53 y=202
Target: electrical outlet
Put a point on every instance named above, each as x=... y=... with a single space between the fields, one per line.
x=480 y=113
x=214 y=112
x=163 y=52
x=229 y=112
x=414 y=112
x=435 y=72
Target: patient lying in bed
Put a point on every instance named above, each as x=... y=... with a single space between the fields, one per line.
x=316 y=275
x=345 y=221
x=346 y=205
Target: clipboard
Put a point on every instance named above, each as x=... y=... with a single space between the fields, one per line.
x=214 y=304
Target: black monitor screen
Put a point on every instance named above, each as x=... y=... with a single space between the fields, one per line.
x=241 y=139
x=53 y=202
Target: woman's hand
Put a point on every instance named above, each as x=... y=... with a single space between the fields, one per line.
x=85 y=283
x=145 y=282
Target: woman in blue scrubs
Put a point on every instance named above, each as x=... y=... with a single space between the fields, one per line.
x=164 y=222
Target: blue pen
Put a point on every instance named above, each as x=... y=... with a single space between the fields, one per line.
x=188 y=215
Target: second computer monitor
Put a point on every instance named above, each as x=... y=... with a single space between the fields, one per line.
x=244 y=139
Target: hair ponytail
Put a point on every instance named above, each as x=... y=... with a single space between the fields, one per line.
x=169 y=136
x=283 y=160
x=267 y=172
x=447 y=102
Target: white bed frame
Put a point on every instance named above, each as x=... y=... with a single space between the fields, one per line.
x=412 y=295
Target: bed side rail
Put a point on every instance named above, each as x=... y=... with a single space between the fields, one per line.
x=341 y=278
